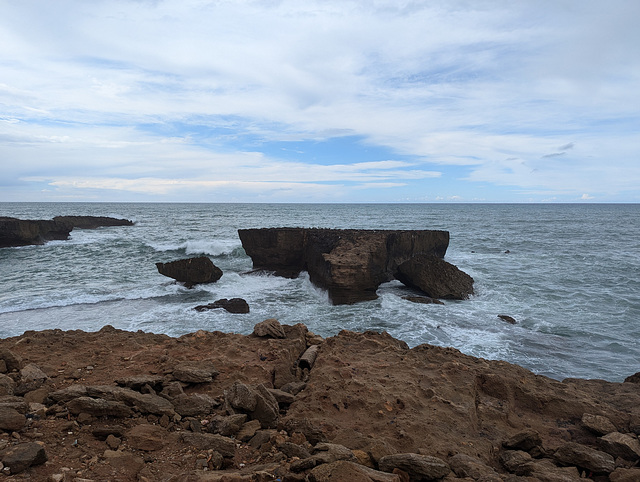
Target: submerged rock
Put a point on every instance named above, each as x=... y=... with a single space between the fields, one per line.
x=233 y=305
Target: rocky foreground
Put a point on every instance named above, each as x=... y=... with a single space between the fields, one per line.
x=284 y=404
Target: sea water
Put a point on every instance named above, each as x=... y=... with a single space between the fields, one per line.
x=568 y=273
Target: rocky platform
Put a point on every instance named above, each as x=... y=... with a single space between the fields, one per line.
x=25 y=232
x=284 y=404
x=352 y=263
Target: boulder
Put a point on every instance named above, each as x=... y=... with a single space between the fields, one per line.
x=270 y=328
x=417 y=466
x=353 y=472
x=349 y=263
x=194 y=405
x=467 y=466
x=22 y=456
x=424 y=300
x=620 y=445
x=146 y=437
x=257 y=402
x=195 y=372
x=436 y=277
x=98 y=407
x=526 y=440
x=234 y=305
x=210 y=441
x=581 y=456
x=11 y=420
x=191 y=271
x=598 y=424
x=20 y=232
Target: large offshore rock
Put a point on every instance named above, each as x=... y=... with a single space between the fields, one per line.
x=436 y=277
x=20 y=232
x=349 y=263
x=191 y=271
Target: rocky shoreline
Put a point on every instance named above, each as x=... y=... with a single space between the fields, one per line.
x=285 y=404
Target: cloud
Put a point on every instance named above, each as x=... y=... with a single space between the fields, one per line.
x=465 y=94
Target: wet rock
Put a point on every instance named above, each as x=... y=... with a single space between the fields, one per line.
x=349 y=263
x=466 y=466
x=191 y=271
x=206 y=441
x=417 y=466
x=233 y=305
x=425 y=300
x=195 y=372
x=435 y=277
x=585 y=457
x=11 y=420
x=22 y=456
x=98 y=407
x=620 y=445
x=509 y=319
x=270 y=328
x=598 y=424
x=146 y=437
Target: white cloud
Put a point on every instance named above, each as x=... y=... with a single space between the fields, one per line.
x=539 y=97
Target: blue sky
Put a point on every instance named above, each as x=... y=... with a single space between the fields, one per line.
x=320 y=101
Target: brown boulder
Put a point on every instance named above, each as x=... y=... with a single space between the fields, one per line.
x=191 y=271
x=436 y=277
x=146 y=437
x=22 y=456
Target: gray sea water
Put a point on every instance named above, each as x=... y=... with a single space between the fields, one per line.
x=571 y=278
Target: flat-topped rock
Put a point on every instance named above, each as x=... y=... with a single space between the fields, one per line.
x=349 y=263
x=24 y=232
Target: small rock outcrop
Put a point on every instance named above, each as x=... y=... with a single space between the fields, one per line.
x=436 y=277
x=191 y=271
x=25 y=232
x=351 y=263
x=233 y=305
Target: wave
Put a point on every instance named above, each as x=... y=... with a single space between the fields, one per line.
x=216 y=247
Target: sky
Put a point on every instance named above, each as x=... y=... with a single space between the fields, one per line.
x=320 y=101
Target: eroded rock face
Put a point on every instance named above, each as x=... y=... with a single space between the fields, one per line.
x=20 y=232
x=349 y=263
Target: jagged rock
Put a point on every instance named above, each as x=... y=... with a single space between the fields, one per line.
x=22 y=456
x=293 y=450
x=194 y=405
x=625 y=475
x=233 y=305
x=195 y=372
x=436 y=277
x=620 y=445
x=270 y=328
x=241 y=397
x=12 y=361
x=425 y=300
x=98 y=407
x=7 y=385
x=146 y=437
x=206 y=441
x=635 y=378
x=353 y=472
x=582 y=456
x=417 y=466
x=137 y=382
x=19 y=232
x=517 y=462
x=248 y=430
x=258 y=402
x=526 y=441
x=143 y=402
x=349 y=263
x=282 y=397
x=546 y=471
x=191 y=271
x=598 y=424
x=229 y=425
x=11 y=420
x=466 y=466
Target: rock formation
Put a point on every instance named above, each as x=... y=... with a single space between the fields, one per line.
x=285 y=404
x=19 y=232
x=351 y=263
x=233 y=305
x=191 y=271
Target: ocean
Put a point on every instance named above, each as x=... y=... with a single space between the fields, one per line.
x=568 y=273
